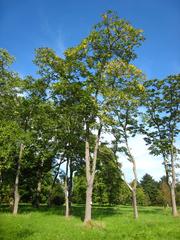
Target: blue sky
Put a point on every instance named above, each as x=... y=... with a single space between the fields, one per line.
x=58 y=24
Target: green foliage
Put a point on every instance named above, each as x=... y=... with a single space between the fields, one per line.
x=108 y=177
x=124 y=194
x=163 y=196
x=150 y=187
x=162 y=115
x=95 y=85
x=57 y=197
x=142 y=197
x=79 y=189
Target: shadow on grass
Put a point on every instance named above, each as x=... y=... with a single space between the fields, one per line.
x=98 y=212
x=77 y=210
x=24 y=233
x=153 y=210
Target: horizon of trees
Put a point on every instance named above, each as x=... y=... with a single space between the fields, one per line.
x=60 y=116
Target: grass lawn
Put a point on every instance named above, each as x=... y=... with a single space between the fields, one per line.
x=109 y=223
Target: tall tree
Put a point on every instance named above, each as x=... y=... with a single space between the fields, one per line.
x=13 y=120
x=109 y=46
x=162 y=125
x=42 y=150
x=67 y=94
x=126 y=127
x=84 y=72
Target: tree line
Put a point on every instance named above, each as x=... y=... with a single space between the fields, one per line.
x=59 y=118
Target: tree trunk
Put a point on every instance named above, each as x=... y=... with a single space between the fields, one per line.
x=66 y=198
x=16 y=186
x=134 y=200
x=173 y=200
x=88 y=203
x=134 y=203
x=70 y=186
x=90 y=172
x=66 y=190
x=133 y=189
x=173 y=185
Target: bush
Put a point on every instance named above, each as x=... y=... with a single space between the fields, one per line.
x=57 y=197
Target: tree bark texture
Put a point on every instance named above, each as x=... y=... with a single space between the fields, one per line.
x=134 y=187
x=90 y=173
x=16 y=185
x=173 y=186
x=66 y=190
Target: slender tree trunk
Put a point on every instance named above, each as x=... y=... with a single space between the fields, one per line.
x=89 y=186
x=134 y=199
x=173 y=200
x=134 y=203
x=70 y=186
x=88 y=208
x=172 y=190
x=66 y=190
x=173 y=186
x=134 y=187
x=66 y=198
x=134 y=190
x=90 y=172
x=16 y=186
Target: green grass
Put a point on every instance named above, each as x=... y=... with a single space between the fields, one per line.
x=109 y=223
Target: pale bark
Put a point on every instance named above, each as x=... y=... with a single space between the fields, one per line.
x=172 y=183
x=134 y=187
x=70 y=186
x=173 y=186
x=16 y=186
x=88 y=209
x=66 y=199
x=66 y=190
x=90 y=172
x=134 y=190
x=134 y=203
x=173 y=199
x=134 y=199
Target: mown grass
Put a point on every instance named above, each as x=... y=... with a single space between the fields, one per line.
x=109 y=223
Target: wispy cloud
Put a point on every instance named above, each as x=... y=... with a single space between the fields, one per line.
x=54 y=37
x=59 y=43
